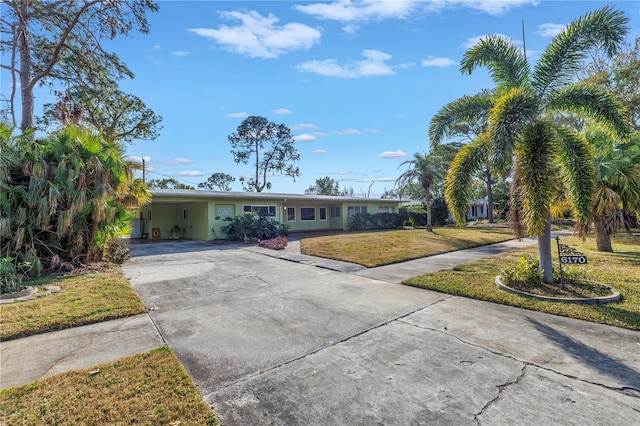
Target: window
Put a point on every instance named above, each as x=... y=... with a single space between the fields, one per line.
x=185 y=214
x=323 y=213
x=261 y=210
x=385 y=209
x=222 y=212
x=307 y=213
x=291 y=214
x=335 y=211
x=354 y=210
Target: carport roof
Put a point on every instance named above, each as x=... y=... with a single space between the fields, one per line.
x=160 y=194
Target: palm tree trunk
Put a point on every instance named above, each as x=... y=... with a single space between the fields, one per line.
x=429 y=227
x=544 y=251
x=489 y=181
x=603 y=239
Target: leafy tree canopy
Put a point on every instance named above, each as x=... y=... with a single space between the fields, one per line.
x=218 y=181
x=268 y=146
x=324 y=186
x=167 y=183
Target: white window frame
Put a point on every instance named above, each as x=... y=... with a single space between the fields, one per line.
x=320 y=210
x=302 y=219
x=270 y=207
x=294 y=214
x=354 y=210
x=335 y=211
x=386 y=209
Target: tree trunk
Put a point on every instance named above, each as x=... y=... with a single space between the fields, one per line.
x=544 y=251
x=26 y=90
x=489 y=181
x=603 y=239
x=428 y=201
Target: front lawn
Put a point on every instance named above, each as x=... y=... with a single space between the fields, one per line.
x=620 y=270
x=376 y=248
x=150 y=388
x=83 y=299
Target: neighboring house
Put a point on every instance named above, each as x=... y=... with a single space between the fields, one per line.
x=200 y=215
x=477 y=209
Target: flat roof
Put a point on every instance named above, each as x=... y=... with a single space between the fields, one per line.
x=196 y=193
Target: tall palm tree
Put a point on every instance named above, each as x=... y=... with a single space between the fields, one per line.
x=523 y=134
x=617 y=195
x=468 y=117
x=426 y=171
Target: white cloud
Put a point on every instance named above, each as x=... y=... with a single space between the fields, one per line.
x=304 y=126
x=433 y=61
x=372 y=130
x=305 y=137
x=237 y=115
x=259 y=36
x=190 y=173
x=137 y=159
x=374 y=64
x=347 y=132
x=381 y=179
x=472 y=41
x=550 y=29
x=180 y=53
x=319 y=152
x=392 y=154
x=157 y=47
x=180 y=160
x=283 y=111
x=351 y=13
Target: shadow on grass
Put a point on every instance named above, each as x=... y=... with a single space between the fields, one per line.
x=592 y=358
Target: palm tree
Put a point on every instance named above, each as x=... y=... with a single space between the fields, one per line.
x=617 y=195
x=426 y=171
x=523 y=134
x=469 y=117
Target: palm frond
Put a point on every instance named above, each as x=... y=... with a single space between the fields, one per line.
x=512 y=111
x=591 y=101
x=578 y=169
x=605 y=28
x=506 y=63
x=535 y=154
x=458 y=185
x=472 y=110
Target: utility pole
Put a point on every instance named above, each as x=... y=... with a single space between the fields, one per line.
x=143 y=171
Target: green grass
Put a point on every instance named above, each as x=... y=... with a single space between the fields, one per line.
x=150 y=388
x=378 y=248
x=620 y=270
x=83 y=299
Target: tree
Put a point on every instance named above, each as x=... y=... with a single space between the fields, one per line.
x=269 y=145
x=167 y=183
x=220 y=181
x=61 y=42
x=426 y=171
x=63 y=197
x=324 y=186
x=616 y=199
x=522 y=133
x=468 y=117
x=118 y=116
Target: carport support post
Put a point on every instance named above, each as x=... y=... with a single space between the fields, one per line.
x=560 y=260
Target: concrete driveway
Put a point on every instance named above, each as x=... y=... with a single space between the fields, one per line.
x=270 y=341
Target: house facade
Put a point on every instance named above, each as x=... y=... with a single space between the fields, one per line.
x=200 y=215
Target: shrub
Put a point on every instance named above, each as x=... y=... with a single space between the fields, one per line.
x=117 y=250
x=252 y=226
x=364 y=221
x=11 y=274
x=526 y=270
x=277 y=243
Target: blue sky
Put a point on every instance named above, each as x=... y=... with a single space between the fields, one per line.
x=357 y=82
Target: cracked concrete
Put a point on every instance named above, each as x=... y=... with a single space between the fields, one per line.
x=273 y=341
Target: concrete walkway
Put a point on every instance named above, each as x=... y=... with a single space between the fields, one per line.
x=273 y=342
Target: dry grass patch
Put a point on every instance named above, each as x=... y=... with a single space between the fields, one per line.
x=620 y=270
x=376 y=248
x=150 y=388
x=83 y=299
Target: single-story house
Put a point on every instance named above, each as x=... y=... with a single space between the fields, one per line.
x=200 y=215
x=478 y=209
